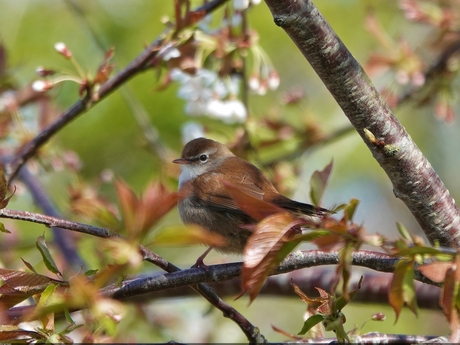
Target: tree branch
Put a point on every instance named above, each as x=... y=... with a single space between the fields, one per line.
x=414 y=180
x=374 y=288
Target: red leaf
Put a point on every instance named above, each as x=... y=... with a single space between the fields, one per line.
x=19 y=286
x=318 y=183
x=447 y=297
x=128 y=203
x=156 y=201
x=402 y=289
x=104 y=70
x=261 y=254
x=435 y=271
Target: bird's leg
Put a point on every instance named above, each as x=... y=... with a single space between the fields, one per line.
x=199 y=262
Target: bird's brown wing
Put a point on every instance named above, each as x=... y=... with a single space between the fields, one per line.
x=210 y=191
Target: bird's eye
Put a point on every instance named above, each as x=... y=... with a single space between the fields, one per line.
x=203 y=158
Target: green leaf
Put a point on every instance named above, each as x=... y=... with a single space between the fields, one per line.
x=46 y=255
x=318 y=183
x=68 y=317
x=350 y=209
x=341 y=302
x=310 y=323
x=3 y=229
x=311 y=235
x=403 y=231
x=89 y=273
x=419 y=250
x=47 y=320
x=29 y=266
x=42 y=302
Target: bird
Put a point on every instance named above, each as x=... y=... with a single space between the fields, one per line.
x=207 y=166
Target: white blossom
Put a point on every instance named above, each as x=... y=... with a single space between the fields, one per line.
x=240 y=5
x=172 y=53
x=238 y=112
x=42 y=85
x=62 y=49
x=254 y=82
x=177 y=74
x=195 y=108
x=220 y=89
x=217 y=109
x=273 y=80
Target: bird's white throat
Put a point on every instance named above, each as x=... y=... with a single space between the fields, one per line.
x=189 y=172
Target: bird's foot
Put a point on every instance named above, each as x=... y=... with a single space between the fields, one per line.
x=200 y=261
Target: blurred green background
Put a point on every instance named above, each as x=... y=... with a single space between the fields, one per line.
x=107 y=137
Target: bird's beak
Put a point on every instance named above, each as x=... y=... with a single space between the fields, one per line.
x=181 y=161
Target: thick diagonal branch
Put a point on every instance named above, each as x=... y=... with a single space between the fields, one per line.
x=414 y=180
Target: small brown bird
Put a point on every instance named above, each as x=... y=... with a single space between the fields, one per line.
x=207 y=202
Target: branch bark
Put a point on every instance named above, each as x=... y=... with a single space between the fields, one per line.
x=414 y=180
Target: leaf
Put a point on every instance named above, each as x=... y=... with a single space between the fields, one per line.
x=262 y=250
x=69 y=319
x=29 y=266
x=435 y=271
x=47 y=320
x=329 y=242
x=3 y=185
x=450 y=299
x=140 y=214
x=403 y=231
x=3 y=229
x=156 y=202
x=105 y=68
x=351 y=207
x=344 y=268
x=402 y=288
x=9 y=333
x=310 y=323
x=46 y=255
x=312 y=235
x=313 y=303
x=185 y=235
x=128 y=203
x=418 y=250
x=447 y=295
x=341 y=302
x=256 y=208
x=90 y=273
x=18 y=286
x=318 y=183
